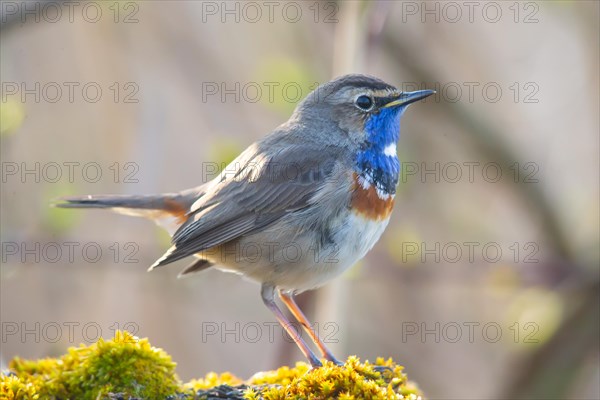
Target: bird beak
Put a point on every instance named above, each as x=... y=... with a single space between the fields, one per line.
x=405 y=98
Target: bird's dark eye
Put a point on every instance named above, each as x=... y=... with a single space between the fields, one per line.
x=364 y=102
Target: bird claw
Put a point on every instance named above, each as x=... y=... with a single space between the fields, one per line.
x=318 y=363
x=336 y=362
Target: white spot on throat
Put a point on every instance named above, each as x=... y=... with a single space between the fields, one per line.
x=383 y=195
x=390 y=150
x=366 y=181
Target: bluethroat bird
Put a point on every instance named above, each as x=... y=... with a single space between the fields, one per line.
x=296 y=208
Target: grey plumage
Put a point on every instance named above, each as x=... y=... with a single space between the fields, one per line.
x=297 y=188
x=262 y=185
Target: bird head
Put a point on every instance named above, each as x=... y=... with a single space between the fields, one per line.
x=365 y=108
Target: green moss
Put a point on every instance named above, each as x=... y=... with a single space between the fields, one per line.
x=125 y=365
x=131 y=368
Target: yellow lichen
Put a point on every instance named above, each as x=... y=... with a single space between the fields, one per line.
x=13 y=387
x=130 y=367
x=211 y=380
x=282 y=376
x=353 y=380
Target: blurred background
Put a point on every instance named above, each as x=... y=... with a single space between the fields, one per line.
x=486 y=283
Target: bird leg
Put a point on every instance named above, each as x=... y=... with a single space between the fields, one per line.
x=267 y=293
x=288 y=300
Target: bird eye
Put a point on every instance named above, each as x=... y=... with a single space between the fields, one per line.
x=364 y=102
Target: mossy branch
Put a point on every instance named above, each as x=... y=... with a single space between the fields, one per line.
x=127 y=367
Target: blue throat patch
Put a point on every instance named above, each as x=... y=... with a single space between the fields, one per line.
x=382 y=129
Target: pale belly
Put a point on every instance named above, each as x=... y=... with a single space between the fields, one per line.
x=300 y=262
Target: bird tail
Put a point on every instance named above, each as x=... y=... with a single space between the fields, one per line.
x=149 y=206
x=169 y=210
